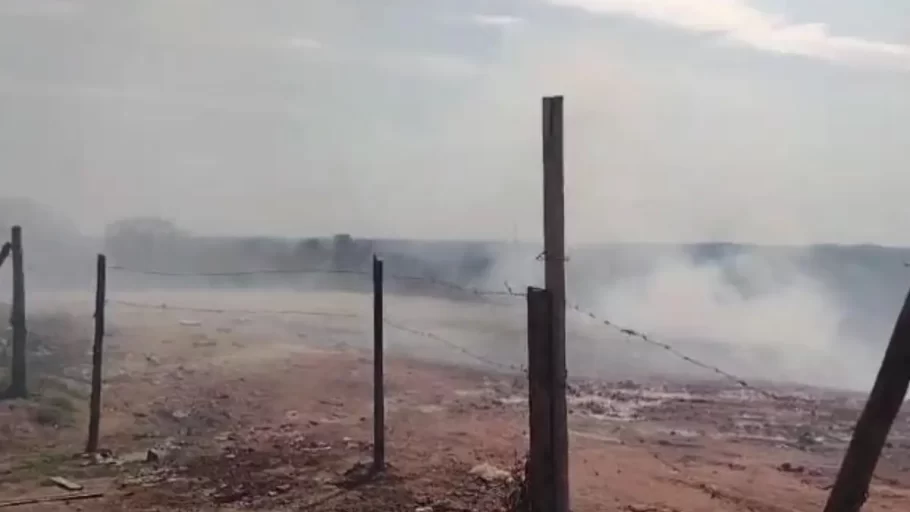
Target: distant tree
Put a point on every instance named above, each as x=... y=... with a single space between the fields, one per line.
x=342 y=251
x=141 y=239
x=474 y=265
x=312 y=244
x=309 y=252
x=39 y=222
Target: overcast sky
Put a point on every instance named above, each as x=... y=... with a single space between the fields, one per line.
x=687 y=120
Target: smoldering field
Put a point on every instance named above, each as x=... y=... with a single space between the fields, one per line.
x=817 y=316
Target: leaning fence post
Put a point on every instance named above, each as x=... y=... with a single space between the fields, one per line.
x=378 y=391
x=4 y=252
x=541 y=477
x=871 y=432
x=97 y=353
x=18 y=387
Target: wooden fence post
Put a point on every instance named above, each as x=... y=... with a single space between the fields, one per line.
x=97 y=359
x=18 y=387
x=541 y=481
x=378 y=378
x=4 y=252
x=852 y=484
x=555 y=279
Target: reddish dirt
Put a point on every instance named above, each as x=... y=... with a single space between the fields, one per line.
x=241 y=424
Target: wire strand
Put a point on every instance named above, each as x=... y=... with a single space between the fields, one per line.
x=646 y=338
x=168 y=307
x=452 y=345
x=507 y=292
x=302 y=271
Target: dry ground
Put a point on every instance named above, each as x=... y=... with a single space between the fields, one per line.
x=271 y=411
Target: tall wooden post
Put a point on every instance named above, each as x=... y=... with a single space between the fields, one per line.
x=378 y=378
x=555 y=279
x=97 y=357
x=541 y=482
x=18 y=387
x=869 y=437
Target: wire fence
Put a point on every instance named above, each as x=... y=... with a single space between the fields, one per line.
x=165 y=306
x=512 y=296
x=441 y=283
x=508 y=291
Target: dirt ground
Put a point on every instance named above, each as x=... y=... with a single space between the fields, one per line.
x=220 y=408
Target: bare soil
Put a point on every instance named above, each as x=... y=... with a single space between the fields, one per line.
x=230 y=410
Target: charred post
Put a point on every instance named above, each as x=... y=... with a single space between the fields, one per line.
x=378 y=377
x=97 y=357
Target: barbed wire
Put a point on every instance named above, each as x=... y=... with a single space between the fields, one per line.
x=236 y=273
x=509 y=291
x=396 y=325
x=452 y=345
x=302 y=271
x=630 y=333
x=167 y=307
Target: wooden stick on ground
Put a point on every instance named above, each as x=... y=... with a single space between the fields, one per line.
x=51 y=499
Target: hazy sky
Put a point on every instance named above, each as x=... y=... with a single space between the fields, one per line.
x=749 y=120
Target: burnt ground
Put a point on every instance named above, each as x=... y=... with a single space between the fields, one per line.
x=227 y=412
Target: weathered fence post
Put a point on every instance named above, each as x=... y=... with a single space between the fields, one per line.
x=852 y=484
x=4 y=252
x=555 y=280
x=378 y=378
x=541 y=482
x=18 y=387
x=94 y=423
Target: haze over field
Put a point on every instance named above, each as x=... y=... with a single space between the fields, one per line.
x=773 y=125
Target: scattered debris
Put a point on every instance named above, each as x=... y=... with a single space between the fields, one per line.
x=152 y=456
x=490 y=473
x=807 y=439
x=101 y=457
x=787 y=467
x=64 y=483
x=50 y=499
x=205 y=343
x=642 y=508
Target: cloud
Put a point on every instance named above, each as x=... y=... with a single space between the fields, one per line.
x=740 y=22
x=38 y=8
x=432 y=65
x=441 y=98
x=496 y=20
x=305 y=43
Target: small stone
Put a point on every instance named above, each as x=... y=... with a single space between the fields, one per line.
x=787 y=467
x=67 y=484
x=490 y=473
x=152 y=456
